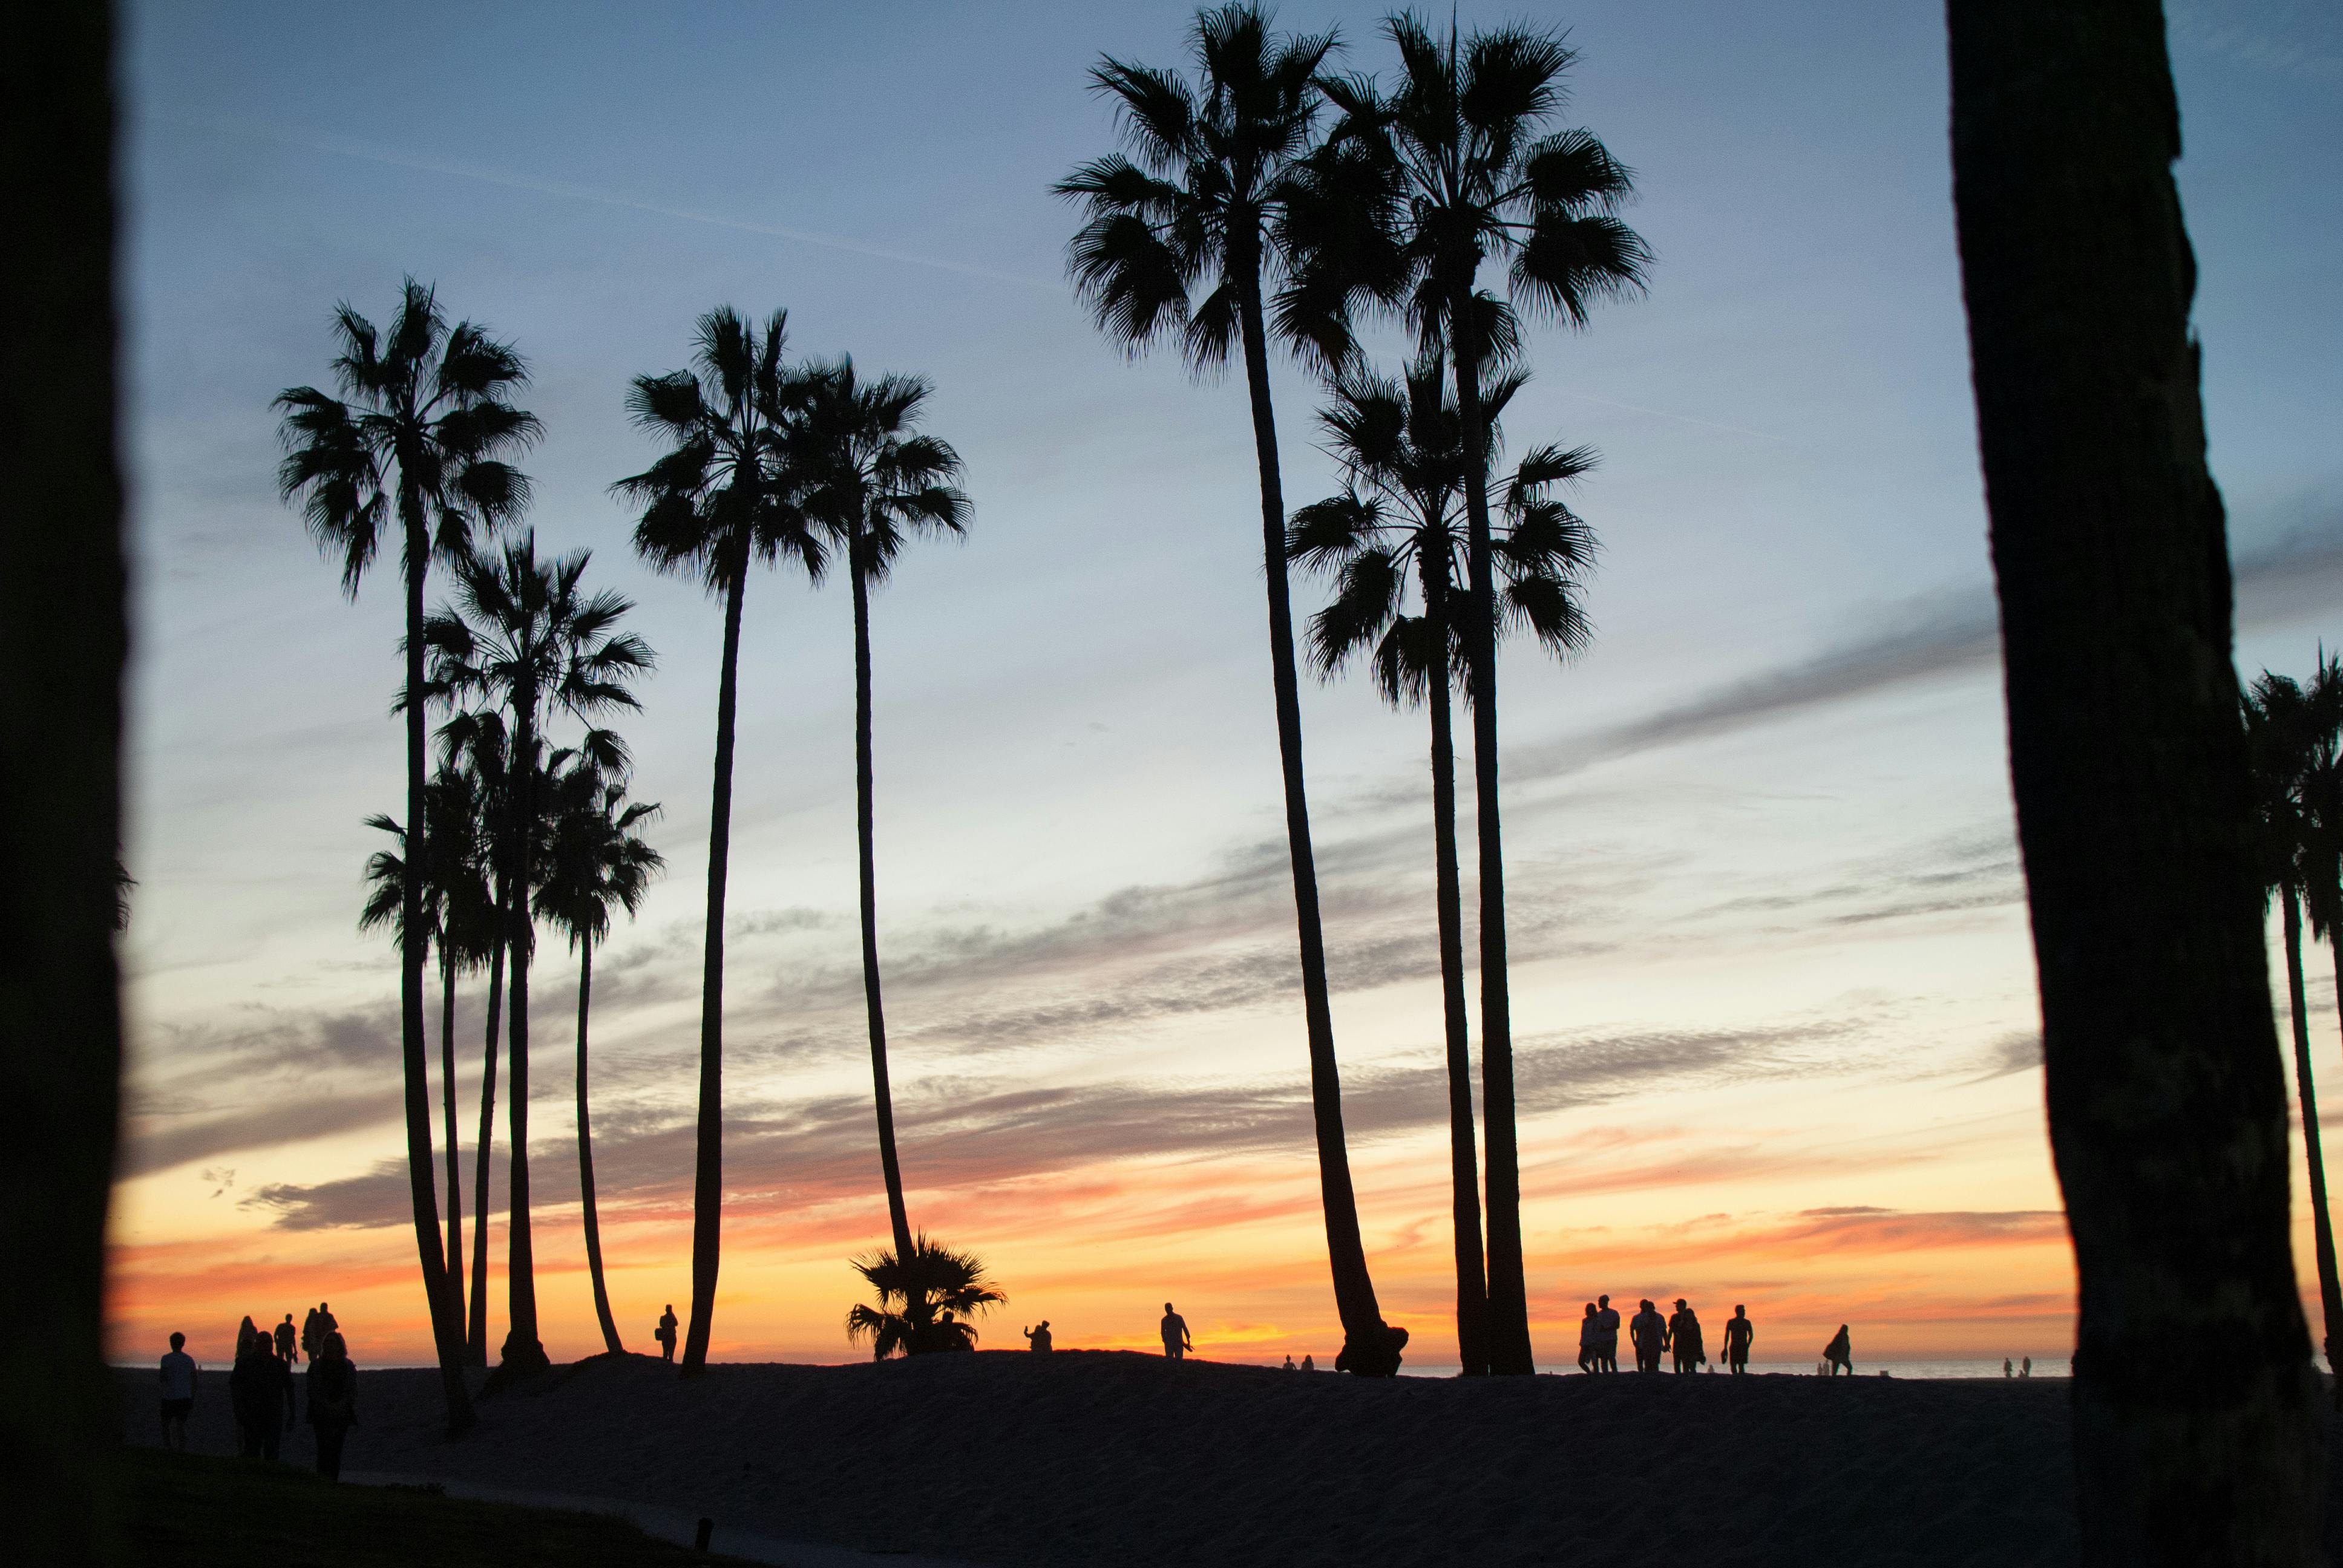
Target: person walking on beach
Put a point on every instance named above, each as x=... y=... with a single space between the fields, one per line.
x=1040 y=1340
x=262 y=1391
x=1739 y=1332
x=245 y=1335
x=178 y=1394
x=310 y=1334
x=1176 y=1342
x=325 y=1323
x=333 y=1384
x=665 y=1333
x=1649 y=1332
x=1607 y=1344
x=2026 y=1367
x=1590 y=1341
x=1684 y=1338
x=286 y=1336
x=1839 y=1354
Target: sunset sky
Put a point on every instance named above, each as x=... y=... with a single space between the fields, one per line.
x=1772 y=989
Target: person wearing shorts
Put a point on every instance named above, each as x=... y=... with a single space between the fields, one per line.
x=178 y=1394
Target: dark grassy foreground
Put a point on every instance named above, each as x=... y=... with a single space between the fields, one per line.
x=195 y=1511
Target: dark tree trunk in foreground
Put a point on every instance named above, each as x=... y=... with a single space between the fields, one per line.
x=455 y=1162
x=2322 y=1232
x=1464 y=1176
x=1510 y=1352
x=476 y=1336
x=890 y=1168
x=61 y=598
x=586 y=1154
x=708 y=1176
x=523 y=1349
x=1369 y=1346
x=2196 y=1428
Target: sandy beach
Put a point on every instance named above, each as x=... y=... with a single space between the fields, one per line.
x=1106 y=1458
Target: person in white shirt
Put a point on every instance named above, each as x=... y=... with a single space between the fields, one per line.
x=178 y=1394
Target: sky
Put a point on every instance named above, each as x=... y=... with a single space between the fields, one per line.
x=1773 y=991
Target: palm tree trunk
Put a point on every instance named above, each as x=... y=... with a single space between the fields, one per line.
x=446 y=1327
x=897 y=1220
x=476 y=1341
x=1370 y=1347
x=708 y=1176
x=1464 y=1176
x=522 y=1346
x=2197 y=1435
x=1510 y=1350
x=454 y=1161
x=62 y=593
x=586 y=1154
x=2322 y=1232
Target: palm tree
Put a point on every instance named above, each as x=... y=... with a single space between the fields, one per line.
x=720 y=496
x=874 y=482
x=1181 y=234
x=415 y=442
x=2284 y=742
x=1474 y=174
x=1402 y=450
x=474 y=745
x=598 y=860
x=531 y=639
x=924 y=1306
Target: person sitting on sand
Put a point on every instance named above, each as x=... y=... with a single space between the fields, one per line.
x=1307 y=1364
x=1839 y=1354
x=1289 y=1361
x=1176 y=1342
x=665 y=1333
x=333 y=1383
x=1684 y=1338
x=1649 y=1332
x=1040 y=1338
x=1590 y=1341
x=286 y=1336
x=178 y=1394
x=1606 y=1347
x=1739 y=1332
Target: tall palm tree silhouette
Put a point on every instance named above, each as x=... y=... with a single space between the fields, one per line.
x=1475 y=173
x=475 y=746
x=598 y=860
x=721 y=496
x=1401 y=448
x=874 y=481
x=1181 y=234
x=415 y=443
x=2289 y=746
x=528 y=636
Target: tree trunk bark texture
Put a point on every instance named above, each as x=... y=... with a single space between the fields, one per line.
x=455 y=1154
x=61 y=594
x=585 y=1155
x=890 y=1168
x=523 y=1349
x=1370 y=1346
x=2322 y=1232
x=476 y=1335
x=2196 y=1428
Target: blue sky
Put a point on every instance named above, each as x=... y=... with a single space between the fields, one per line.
x=1759 y=841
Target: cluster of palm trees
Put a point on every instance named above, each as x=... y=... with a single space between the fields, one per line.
x=797 y=463
x=2294 y=737
x=1265 y=200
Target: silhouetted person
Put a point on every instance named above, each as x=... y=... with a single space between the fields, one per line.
x=1590 y=1341
x=333 y=1383
x=1607 y=1323
x=666 y=1334
x=1040 y=1340
x=1176 y=1342
x=310 y=1333
x=286 y=1336
x=2006 y=1371
x=1839 y=1354
x=1649 y=1333
x=1307 y=1364
x=178 y=1394
x=2026 y=1367
x=262 y=1391
x=1289 y=1361
x=245 y=1335
x=1739 y=1334
x=325 y=1323
x=1684 y=1338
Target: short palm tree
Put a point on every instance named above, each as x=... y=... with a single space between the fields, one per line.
x=2287 y=749
x=874 y=482
x=415 y=443
x=530 y=639
x=599 y=861
x=924 y=1306
x=1475 y=172
x=1182 y=234
x=720 y=496
x=475 y=746
x=1401 y=447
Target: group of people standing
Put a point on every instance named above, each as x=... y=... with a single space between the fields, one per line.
x=260 y=1388
x=1653 y=1336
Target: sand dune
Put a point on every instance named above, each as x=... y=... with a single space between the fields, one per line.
x=1106 y=1458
